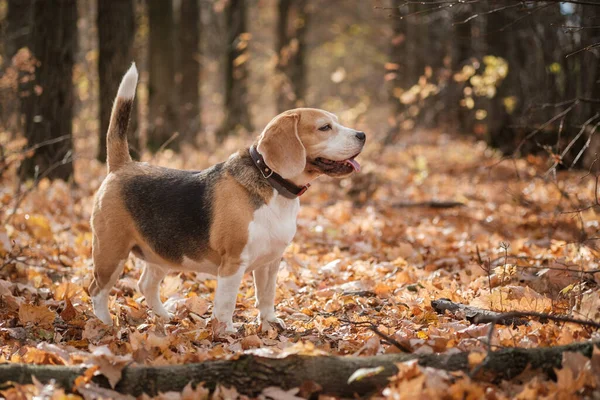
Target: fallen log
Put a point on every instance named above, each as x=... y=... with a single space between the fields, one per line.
x=250 y=374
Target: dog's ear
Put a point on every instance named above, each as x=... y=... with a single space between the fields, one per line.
x=280 y=146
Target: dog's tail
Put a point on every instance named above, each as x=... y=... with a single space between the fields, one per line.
x=116 y=138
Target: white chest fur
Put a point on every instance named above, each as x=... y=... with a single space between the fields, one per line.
x=271 y=231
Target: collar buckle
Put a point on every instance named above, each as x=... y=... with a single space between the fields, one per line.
x=262 y=171
x=303 y=190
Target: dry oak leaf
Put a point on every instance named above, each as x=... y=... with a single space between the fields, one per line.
x=94 y=330
x=197 y=305
x=224 y=393
x=69 y=312
x=111 y=366
x=276 y=393
x=200 y=393
x=37 y=315
x=251 y=341
x=476 y=358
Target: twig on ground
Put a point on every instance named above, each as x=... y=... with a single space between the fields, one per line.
x=480 y=315
x=430 y=204
x=371 y=326
x=475 y=315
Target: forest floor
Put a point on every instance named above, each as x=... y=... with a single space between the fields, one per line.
x=371 y=248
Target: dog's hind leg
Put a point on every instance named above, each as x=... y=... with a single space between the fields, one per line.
x=149 y=285
x=108 y=265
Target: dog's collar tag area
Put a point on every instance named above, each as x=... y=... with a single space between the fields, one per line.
x=284 y=187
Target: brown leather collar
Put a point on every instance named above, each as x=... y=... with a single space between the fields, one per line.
x=284 y=187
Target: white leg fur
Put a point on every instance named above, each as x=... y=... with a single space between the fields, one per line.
x=225 y=297
x=100 y=300
x=265 y=283
x=149 y=285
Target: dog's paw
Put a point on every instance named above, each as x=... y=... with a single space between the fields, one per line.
x=164 y=316
x=161 y=313
x=266 y=323
x=223 y=328
x=106 y=319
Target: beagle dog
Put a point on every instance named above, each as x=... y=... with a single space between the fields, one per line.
x=234 y=217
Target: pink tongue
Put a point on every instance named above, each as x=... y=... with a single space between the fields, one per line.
x=354 y=164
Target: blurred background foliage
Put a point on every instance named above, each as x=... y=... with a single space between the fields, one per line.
x=524 y=76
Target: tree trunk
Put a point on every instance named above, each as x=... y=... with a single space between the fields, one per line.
x=251 y=374
x=162 y=124
x=17 y=29
x=463 y=42
x=499 y=42
x=236 y=71
x=398 y=66
x=590 y=61
x=116 y=31
x=415 y=63
x=190 y=69
x=18 y=26
x=50 y=105
x=291 y=47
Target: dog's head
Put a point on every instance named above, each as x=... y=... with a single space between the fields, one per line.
x=311 y=141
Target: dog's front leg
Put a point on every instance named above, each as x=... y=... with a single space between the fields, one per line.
x=228 y=284
x=265 y=283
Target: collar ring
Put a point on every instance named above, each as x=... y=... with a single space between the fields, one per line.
x=266 y=176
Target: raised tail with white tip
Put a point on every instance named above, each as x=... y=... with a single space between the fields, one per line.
x=116 y=138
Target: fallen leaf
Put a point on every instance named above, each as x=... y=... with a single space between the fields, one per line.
x=363 y=373
x=37 y=315
x=250 y=342
x=69 y=311
x=197 y=305
x=109 y=365
x=276 y=393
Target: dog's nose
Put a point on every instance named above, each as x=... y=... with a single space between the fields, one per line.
x=361 y=136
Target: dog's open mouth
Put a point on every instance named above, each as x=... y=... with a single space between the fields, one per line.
x=341 y=167
x=351 y=162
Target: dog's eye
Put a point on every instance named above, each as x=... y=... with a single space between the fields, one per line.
x=325 y=128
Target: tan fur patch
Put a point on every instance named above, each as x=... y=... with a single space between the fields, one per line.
x=232 y=214
x=114 y=233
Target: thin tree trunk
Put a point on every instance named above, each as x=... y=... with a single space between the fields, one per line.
x=463 y=38
x=397 y=69
x=327 y=374
x=190 y=69
x=18 y=26
x=590 y=60
x=236 y=71
x=414 y=63
x=291 y=47
x=50 y=104
x=116 y=32
x=17 y=29
x=161 y=109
